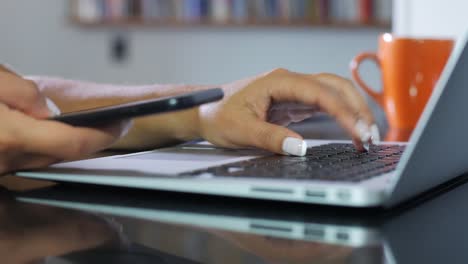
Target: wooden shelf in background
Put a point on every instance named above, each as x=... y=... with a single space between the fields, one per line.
x=136 y=23
x=369 y=20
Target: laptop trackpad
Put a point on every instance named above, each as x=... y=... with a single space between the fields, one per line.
x=203 y=154
x=169 y=161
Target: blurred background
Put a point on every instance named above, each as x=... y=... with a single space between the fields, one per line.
x=208 y=41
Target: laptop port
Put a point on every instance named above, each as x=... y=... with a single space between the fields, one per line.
x=344 y=195
x=316 y=194
x=342 y=236
x=314 y=233
x=272 y=190
x=269 y=227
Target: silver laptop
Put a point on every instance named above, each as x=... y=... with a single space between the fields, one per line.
x=332 y=173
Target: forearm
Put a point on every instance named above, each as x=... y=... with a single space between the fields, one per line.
x=147 y=132
x=72 y=95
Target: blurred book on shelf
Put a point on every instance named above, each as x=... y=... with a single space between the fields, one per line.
x=351 y=12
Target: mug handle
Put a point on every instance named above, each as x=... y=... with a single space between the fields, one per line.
x=355 y=63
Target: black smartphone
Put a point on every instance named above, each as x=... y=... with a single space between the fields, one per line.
x=102 y=115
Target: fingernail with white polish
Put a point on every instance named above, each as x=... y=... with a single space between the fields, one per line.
x=366 y=146
x=53 y=108
x=363 y=131
x=375 y=134
x=126 y=126
x=294 y=146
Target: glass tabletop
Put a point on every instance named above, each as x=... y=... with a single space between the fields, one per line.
x=89 y=224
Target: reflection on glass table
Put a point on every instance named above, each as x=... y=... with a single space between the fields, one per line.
x=202 y=230
x=31 y=234
x=105 y=223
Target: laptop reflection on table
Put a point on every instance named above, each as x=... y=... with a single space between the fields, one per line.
x=257 y=228
x=365 y=236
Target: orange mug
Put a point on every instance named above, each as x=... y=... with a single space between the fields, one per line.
x=410 y=69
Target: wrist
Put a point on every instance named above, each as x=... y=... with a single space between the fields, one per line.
x=155 y=131
x=186 y=125
x=189 y=124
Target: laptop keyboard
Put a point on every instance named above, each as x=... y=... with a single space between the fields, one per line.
x=330 y=162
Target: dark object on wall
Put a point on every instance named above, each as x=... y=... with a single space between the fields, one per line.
x=120 y=49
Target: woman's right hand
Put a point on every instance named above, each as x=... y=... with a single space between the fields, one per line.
x=254 y=111
x=28 y=140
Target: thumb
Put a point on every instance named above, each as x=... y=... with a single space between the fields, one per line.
x=277 y=139
x=35 y=104
x=23 y=95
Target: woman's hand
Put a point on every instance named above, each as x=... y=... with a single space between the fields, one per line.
x=253 y=111
x=28 y=141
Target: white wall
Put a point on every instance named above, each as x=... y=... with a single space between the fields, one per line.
x=431 y=18
x=36 y=39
